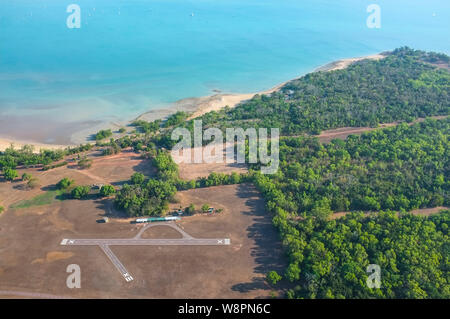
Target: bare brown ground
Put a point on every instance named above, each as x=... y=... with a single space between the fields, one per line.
x=161 y=232
x=189 y=171
x=428 y=211
x=33 y=264
x=441 y=65
x=115 y=168
x=344 y=132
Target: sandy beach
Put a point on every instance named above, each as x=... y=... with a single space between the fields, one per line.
x=6 y=143
x=195 y=105
x=342 y=64
x=201 y=105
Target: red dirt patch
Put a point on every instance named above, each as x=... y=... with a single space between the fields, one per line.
x=189 y=171
x=344 y=132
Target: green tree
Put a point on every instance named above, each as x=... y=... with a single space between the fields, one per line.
x=293 y=272
x=235 y=178
x=10 y=174
x=322 y=209
x=138 y=178
x=107 y=190
x=191 y=184
x=65 y=183
x=205 y=208
x=273 y=277
x=80 y=192
x=176 y=119
x=1 y=209
x=131 y=198
x=102 y=134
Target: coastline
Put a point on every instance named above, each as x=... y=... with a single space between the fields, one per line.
x=201 y=105
x=195 y=105
x=343 y=63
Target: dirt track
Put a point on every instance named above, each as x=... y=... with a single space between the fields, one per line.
x=344 y=132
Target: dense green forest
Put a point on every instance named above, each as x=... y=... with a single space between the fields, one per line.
x=150 y=196
x=401 y=87
x=399 y=168
x=329 y=259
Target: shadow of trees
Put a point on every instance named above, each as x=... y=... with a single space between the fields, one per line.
x=107 y=205
x=267 y=252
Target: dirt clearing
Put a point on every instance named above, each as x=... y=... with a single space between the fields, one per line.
x=190 y=171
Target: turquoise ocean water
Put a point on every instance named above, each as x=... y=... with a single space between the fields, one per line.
x=134 y=55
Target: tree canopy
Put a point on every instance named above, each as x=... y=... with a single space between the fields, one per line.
x=329 y=259
x=399 y=168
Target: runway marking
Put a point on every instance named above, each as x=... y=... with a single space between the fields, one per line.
x=116 y=262
x=104 y=244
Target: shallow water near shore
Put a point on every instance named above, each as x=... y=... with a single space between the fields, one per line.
x=133 y=56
